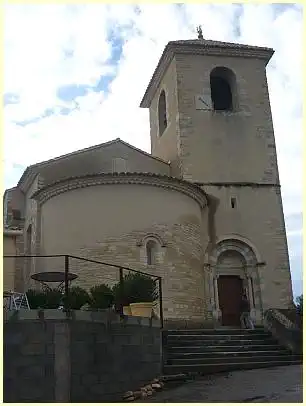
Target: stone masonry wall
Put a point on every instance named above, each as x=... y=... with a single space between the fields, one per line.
x=95 y=224
x=81 y=357
x=31 y=245
x=165 y=146
x=13 y=267
x=232 y=154
x=178 y=263
x=258 y=217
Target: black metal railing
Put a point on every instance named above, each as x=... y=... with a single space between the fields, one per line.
x=81 y=272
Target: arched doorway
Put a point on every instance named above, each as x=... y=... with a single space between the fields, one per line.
x=231 y=285
x=234 y=271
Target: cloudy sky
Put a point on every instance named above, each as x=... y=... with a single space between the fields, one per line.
x=75 y=75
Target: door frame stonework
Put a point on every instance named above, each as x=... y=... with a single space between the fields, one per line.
x=248 y=272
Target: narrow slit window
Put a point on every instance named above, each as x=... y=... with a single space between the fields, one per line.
x=151 y=249
x=162 y=113
x=233 y=202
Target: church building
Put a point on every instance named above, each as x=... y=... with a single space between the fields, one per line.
x=203 y=210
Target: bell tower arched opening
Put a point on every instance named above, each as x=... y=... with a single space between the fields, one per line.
x=223 y=89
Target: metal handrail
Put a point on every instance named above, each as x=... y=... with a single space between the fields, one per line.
x=121 y=279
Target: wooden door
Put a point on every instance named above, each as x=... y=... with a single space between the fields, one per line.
x=230 y=291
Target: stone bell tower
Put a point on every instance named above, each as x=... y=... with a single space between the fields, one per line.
x=210 y=116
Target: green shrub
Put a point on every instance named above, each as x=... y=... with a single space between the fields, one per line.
x=299 y=305
x=36 y=299
x=77 y=297
x=299 y=311
x=53 y=298
x=46 y=299
x=125 y=300
x=101 y=297
x=137 y=288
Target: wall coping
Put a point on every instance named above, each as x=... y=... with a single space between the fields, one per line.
x=96 y=179
x=103 y=317
x=12 y=233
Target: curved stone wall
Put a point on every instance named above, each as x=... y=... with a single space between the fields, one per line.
x=113 y=222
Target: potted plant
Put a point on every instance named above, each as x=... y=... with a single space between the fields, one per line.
x=141 y=291
x=101 y=297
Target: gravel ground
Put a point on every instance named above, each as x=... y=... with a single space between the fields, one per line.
x=277 y=384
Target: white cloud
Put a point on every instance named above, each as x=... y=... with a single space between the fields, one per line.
x=47 y=47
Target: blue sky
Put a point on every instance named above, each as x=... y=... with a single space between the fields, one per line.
x=74 y=77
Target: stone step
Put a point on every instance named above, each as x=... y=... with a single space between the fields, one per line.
x=171 y=342
x=216 y=331
x=232 y=360
x=196 y=337
x=209 y=351
x=223 y=367
x=234 y=348
x=224 y=353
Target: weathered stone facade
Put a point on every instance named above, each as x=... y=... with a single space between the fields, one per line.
x=208 y=197
x=13 y=275
x=177 y=227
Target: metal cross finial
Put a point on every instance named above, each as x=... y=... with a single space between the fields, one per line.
x=200 y=33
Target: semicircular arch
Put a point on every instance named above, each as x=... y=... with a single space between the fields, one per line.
x=151 y=236
x=234 y=244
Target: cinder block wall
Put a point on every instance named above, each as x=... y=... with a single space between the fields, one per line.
x=86 y=357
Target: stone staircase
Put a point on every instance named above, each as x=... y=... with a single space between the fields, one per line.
x=210 y=351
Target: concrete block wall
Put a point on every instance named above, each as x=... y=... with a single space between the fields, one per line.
x=81 y=357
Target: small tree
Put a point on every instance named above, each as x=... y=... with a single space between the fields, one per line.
x=101 y=297
x=140 y=288
x=77 y=297
x=53 y=298
x=36 y=299
x=299 y=305
x=136 y=288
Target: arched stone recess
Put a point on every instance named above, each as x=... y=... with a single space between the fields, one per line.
x=152 y=236
x=152 y=249
x=243 y=240
x=236 y=257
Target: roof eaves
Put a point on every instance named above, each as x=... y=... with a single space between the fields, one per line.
x=144 y=152
x=12 y=231
x=31 y=170
x=201 y=47
x=114 y=174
